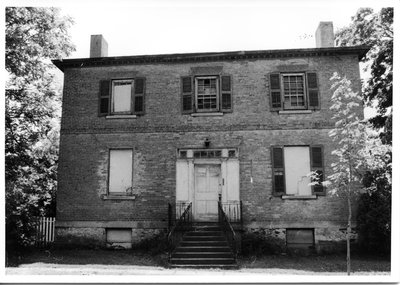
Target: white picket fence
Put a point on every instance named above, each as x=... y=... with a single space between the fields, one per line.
x=45 y=231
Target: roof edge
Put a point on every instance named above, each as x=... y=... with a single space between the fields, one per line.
x=208 y=56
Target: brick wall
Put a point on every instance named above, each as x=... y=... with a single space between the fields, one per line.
x=154 y=137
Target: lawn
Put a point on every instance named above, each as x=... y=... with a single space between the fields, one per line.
x=314 y=263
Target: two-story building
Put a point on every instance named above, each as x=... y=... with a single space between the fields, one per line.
x=246 y=128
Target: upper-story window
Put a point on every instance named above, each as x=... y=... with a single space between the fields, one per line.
x=294 y=91
x=206 y=94
x=122 y=97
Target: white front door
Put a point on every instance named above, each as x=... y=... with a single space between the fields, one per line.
x=207 y=188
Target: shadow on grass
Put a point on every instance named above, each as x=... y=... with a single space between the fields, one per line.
x=92 y=256
x=318 y=263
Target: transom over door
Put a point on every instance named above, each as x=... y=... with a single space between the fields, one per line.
x=207 y=187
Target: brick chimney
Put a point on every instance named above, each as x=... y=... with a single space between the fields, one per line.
x=98 y=46
x=324 y=35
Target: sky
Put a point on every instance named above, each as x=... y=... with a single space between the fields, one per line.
x=162 y=27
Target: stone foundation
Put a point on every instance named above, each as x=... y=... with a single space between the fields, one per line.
x=273 y=240
x=96 y=237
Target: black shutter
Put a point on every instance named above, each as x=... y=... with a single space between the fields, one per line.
x=226 y=93
x=187 y=94
x=317 y=165
x=313 y=94
x=278 y=170
x=104 y=98
x=138 y=96
x=275 y=91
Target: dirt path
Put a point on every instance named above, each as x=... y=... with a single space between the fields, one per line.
x=95 y=269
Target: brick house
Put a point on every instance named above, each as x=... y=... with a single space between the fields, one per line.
x=244 y=128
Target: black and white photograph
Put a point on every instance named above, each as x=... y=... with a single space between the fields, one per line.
x=199 y=141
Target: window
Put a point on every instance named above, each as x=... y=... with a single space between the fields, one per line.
x=122 y=97
x=294 y=91
x=291 y=168
x=206 y=94
x=120 y=172
x=300 y=238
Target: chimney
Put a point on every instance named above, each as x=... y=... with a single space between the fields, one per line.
x=324 y=35
x=98 y=46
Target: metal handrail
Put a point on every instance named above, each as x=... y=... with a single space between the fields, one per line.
x=183 y=224
x=228 y=229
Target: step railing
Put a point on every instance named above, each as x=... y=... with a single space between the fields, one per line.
x=228 y=230
x=233 y=211
x=182 y=225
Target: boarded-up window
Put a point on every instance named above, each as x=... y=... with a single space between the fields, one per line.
x=121 y=96
x=297 y=168
x=119 y=237
x=300 y=238
x=120 y=176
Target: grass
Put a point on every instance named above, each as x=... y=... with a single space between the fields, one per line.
x=94 y=256
x=315 y=263
x=318 y=263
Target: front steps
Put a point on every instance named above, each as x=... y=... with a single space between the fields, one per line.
x=203 y=247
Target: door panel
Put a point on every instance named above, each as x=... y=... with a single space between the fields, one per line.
x=207 y=185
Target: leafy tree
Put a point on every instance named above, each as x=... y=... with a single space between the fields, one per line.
x=359 y=148
x=376 y=31
x=34 y=35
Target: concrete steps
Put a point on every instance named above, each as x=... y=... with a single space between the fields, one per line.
x=203 y=247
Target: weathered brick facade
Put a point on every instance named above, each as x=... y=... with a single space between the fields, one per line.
x=155 y=137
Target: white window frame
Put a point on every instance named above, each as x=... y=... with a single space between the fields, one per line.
x=217 y=95
x=305 y=106
x=129 y=190
x=131 y=81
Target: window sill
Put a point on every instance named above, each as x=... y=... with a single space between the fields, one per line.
x=299 y=197
x=121 y=117
x=110 y=197
x=291 y=112
x=216 y=114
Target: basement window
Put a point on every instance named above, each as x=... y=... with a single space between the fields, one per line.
x=119 y=238
x=299 y=238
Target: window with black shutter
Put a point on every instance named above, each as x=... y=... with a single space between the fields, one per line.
x=206 y=94
x=294 y=91
x=122 y=97
x=291 y=167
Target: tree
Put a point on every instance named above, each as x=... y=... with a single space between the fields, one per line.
x=33 y=37
x=358 y=148
x=376 y=31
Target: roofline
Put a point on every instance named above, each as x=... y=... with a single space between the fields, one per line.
x=62 y=64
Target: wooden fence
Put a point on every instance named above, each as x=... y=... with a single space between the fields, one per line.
x=45 y=231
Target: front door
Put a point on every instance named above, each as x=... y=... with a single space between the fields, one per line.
x=207 y=188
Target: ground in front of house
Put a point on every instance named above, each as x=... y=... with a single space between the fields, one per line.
x=134 y=262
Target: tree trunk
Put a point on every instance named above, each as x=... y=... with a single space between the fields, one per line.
x=348 y=234
x=349 y=217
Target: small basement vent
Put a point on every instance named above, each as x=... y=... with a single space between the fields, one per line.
x=119 y=238
x=300 y=238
